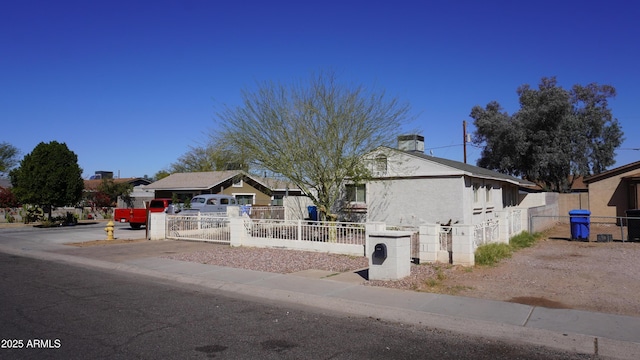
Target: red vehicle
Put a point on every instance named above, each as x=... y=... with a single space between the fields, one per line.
x=138 y=217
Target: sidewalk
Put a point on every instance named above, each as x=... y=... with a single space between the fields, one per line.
x=607 y=335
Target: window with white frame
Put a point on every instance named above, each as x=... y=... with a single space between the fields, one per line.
x=476 y=189
x=237 y=182
x=244 y=199
x=356 y=193
x=277 y=200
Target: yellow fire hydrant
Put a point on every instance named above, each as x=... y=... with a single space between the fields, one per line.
x=109 y=229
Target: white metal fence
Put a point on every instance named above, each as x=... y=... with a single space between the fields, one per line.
x=265 y=212
x=214 y=228
x=446 y=238
x=303 y=230
x=454 y=243
x=486 y=232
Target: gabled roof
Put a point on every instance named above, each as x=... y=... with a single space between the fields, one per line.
x=210 y=179
x=193 y=180
x=613 y=172
x=469 y=170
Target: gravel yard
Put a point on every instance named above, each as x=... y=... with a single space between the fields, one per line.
x=603 y=277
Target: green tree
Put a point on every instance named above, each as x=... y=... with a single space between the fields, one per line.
x=8 y=157
x=161 y=174
x=556 y=136
x=48 y=177
x=112 y=190
x=312 y=132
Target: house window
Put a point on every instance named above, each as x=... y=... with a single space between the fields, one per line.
x=246 y=199
x=487 y=197
x=237 y=182
x=509 y=196
x=476 y=189
x=277 y=200
x=381 y=165
x=356 y=193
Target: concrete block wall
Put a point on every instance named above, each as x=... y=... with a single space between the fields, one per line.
x=397 y=263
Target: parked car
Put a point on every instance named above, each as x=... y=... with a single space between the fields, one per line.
x=211 y=203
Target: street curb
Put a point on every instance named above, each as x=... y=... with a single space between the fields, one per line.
x=572 y=342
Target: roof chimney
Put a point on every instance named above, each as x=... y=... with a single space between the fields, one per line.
x=411 y=143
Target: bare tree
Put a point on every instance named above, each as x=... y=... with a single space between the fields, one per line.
x=312 y=132
x=8 y=157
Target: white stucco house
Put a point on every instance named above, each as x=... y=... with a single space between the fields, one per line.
x=411 y=188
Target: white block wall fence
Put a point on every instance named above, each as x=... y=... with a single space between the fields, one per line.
x=454 y=244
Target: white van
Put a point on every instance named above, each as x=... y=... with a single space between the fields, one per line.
x=212 y=202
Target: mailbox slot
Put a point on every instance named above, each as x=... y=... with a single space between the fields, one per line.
x=380 y=251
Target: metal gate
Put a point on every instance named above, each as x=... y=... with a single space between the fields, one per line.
x=212 y=228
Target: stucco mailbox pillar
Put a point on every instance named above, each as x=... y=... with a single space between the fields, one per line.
x=157 y=226
x=389 y=254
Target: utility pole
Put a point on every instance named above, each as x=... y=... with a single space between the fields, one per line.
x=464 y=139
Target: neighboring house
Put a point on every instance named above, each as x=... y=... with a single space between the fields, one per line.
x=139 y=196
x=613 y=192
x=5 y=183
x=411 y=188
x=246 y=188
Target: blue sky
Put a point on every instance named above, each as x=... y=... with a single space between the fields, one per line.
x=130 y=85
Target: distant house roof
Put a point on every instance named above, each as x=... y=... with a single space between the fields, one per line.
x=93 y=184
x=613 y=172
x=470 y=170
x=5 y=183
x=211 y=179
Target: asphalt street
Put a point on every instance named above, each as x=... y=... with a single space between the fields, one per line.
x=52 y=310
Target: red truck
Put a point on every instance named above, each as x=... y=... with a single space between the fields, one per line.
x=138 y=217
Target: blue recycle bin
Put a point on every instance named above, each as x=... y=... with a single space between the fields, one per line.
x=580 y=221
x=313 y=212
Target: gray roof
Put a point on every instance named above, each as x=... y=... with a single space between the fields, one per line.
x=5 y=183
x=470 y=170
x=209 y=179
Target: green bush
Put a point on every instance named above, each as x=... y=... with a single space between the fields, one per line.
x=490 y=254
x=523 y=240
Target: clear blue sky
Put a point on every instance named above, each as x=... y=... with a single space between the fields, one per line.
x=130 y=85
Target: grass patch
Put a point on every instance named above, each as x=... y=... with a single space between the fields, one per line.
x=491 y=254
x=524 y=240
x=431 y=282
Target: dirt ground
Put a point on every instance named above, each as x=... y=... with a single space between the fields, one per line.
x=559 y=273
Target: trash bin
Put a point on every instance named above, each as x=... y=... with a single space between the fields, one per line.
x=580 y=220
x=633 y=224
x=313 y=212
x=245 y=210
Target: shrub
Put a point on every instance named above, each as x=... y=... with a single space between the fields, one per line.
x=523 y=240
x=490 y=254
